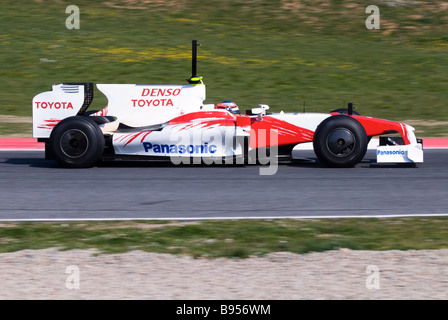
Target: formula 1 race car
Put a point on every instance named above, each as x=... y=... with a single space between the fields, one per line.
x=171 y=122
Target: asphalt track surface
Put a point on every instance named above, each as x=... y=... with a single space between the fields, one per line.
x=38 y=190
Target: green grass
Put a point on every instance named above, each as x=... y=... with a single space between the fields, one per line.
x=232 y=239
x=292 y=55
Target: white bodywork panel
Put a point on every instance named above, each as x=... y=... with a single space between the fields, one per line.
x=134 y=105
x=180 y=140
x=52 y=106
x=308 y=121
x=137 y=105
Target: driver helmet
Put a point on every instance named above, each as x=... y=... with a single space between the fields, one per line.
x=229 y=106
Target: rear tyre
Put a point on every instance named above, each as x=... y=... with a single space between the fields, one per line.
x=102 y=119
x=77 y=142
x=340 y=141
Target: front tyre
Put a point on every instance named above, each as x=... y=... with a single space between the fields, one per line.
x=344 y=111
x=340 y=141
x=77 y=142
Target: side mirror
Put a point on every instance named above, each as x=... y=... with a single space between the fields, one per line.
x=260 y=110
x=264 y=107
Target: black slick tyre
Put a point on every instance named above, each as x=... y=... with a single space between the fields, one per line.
x=340 y=141
x=77 y=142
x=101 y=119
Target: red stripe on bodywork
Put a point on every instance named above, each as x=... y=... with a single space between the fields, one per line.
x=49 y=124
x=135 y=136
x=376 y=127
x=287 y=133
x=202 y=115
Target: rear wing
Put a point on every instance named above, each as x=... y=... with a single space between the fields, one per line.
x=65 y=100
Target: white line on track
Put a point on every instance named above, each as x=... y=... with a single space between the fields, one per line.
x=227 y=218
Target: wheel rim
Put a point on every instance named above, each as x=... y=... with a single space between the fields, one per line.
x=74 y=143
x=341 y=142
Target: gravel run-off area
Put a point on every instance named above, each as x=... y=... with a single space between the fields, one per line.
x=338 y=274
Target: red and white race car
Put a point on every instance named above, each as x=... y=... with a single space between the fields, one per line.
x=171 y=122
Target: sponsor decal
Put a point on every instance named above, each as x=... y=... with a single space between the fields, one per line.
x=157 y=97
x=390 y=152
x=152 y=102
x=155 y=92
x=180 y=149
x=54 y=105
